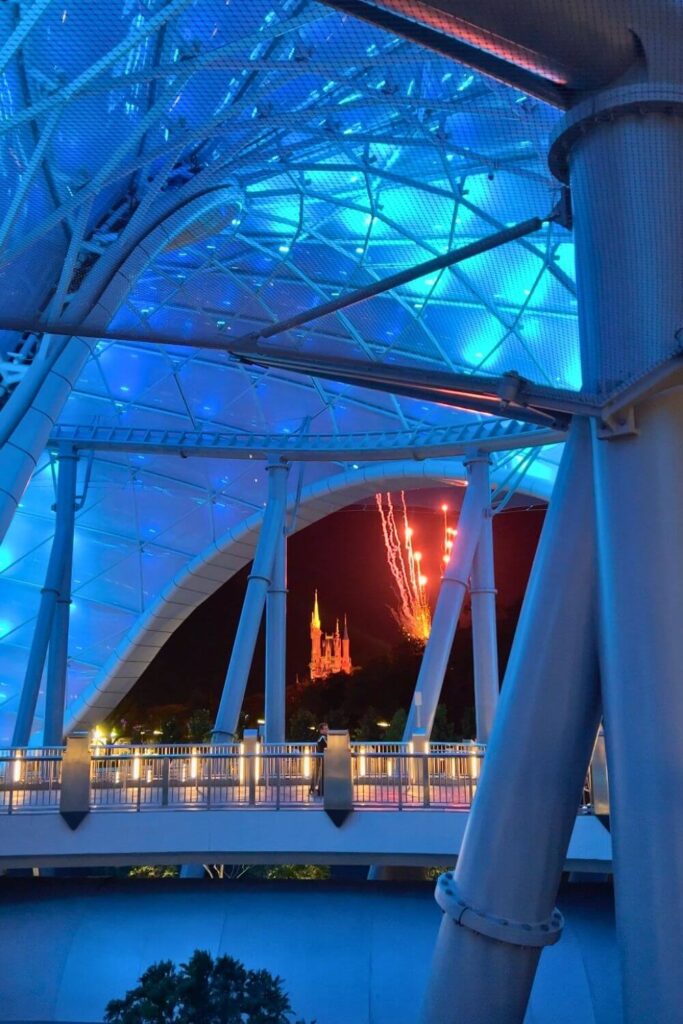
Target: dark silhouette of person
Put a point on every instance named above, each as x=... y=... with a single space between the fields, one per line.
x=318 y=780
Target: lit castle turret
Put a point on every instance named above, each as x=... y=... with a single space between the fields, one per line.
x=330 y=652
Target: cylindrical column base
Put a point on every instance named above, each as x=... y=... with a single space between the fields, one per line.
x=460 y=954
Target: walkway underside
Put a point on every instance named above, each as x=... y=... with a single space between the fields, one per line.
x=420 y=837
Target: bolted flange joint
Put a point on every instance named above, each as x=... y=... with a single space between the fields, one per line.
x=517 y=933
x=635 y=100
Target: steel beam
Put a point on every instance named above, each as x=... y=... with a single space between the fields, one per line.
x=566 y=46
x=370 y=291
x=407 y=23
x=57 y=663
x=449 y=602
x=374 y=446
x=276 y=644
x=60 y=559
x=252 y=610
x=484 y=635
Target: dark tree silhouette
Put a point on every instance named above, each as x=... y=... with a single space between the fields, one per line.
x=220 y=991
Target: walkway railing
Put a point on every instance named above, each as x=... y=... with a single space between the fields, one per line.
x=139 y=778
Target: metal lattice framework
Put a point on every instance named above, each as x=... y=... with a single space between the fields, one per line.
x=200 y=171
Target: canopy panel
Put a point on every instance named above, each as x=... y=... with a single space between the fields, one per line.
x=295 y=154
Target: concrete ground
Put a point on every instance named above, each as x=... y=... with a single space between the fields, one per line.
x=348 y=952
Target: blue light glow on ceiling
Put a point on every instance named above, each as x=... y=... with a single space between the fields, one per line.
x=327 y=154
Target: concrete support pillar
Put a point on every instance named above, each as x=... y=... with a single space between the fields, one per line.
x=449 y=602
x=254 y=601
x=276 y=645
x=484 y=635
x=58 y=566
x=497 y=921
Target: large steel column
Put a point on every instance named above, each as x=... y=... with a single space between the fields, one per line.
x=57 y=664
x=60 y=559
x=276 y=644
x=254 y=600
x=484 y=635
x=450 y=599
x=625 y=167
x=499 y=901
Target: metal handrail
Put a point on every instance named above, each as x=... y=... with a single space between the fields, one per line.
x=275 y=776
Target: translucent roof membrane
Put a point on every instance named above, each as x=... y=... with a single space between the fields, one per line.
x=315 y=154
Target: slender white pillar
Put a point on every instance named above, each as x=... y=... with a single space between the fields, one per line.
x=449 y=602
x=57 y=662
x=484 y=634
x=276 y=645
x=254 y=600
x=499 y=901
x=60 y=558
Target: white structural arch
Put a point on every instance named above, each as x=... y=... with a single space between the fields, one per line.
x=218 y=562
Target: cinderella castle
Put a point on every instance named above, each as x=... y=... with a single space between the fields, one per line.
x=330 y=652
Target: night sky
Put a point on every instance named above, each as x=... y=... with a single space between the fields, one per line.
x=343 y=557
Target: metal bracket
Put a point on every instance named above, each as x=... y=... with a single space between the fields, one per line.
x=517 y=933
x=563 y=213
x=620 y=424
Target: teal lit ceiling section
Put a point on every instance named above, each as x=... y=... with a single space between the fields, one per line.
x=347 y=154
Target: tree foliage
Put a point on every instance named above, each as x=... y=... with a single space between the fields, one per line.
x=154 y=871
x=220 y=991
x=199 y=726
x=397 y=725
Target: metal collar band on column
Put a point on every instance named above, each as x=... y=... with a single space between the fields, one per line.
x=517 y=933
x=662 y=98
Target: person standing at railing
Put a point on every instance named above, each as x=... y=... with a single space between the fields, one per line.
x=318 y=778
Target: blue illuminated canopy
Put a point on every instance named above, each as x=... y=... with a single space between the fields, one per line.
x=200 y=169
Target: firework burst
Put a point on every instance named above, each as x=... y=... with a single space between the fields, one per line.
x=413 y=613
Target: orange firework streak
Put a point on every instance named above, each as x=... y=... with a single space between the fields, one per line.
x=413 y=614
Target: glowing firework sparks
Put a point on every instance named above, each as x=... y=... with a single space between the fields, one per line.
x=449 y=535
x=413 y=614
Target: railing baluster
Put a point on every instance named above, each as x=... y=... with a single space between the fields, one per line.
x=165 y=776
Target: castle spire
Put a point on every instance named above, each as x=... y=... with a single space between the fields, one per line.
x=330 y=652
